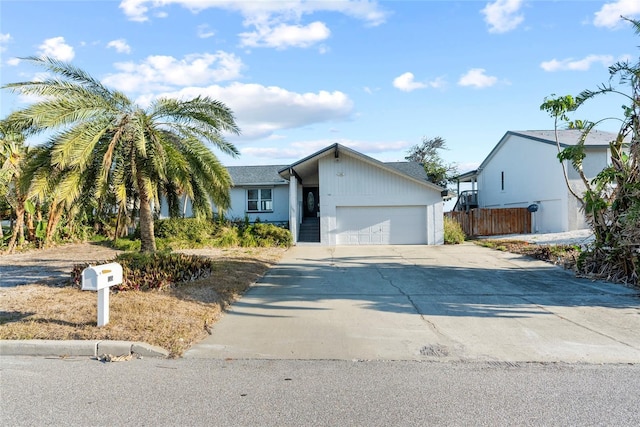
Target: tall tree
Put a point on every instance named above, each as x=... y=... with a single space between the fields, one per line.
x=428 y=154
x=103 y=142
x=13 y=156
x=611 y=201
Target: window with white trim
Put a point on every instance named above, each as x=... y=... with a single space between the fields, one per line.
x=259 y=200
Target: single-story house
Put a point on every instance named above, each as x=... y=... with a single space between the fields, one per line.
x=356 y=200
x=523 y=170
x=339 y=196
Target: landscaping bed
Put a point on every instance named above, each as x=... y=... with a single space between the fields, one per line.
x=173 y=318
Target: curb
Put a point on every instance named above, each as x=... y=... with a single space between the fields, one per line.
x=78 y=348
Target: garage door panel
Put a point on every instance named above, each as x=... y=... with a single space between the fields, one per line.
x=381 y=225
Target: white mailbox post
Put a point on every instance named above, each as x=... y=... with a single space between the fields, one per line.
x=100 y=278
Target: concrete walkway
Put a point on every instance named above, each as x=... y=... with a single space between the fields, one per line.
x=426 y=303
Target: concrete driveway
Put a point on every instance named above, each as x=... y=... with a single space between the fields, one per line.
x=460 y=302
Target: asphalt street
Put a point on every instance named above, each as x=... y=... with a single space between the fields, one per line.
x=206 y=392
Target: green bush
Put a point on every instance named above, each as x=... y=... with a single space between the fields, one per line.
x=190 y=229
x=270 y=235
x=160 y=270
x=126 y=244
x=180 y=233
x=227 y=236
x=453 y=233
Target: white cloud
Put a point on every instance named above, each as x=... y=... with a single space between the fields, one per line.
x=571 y=64
x=273 y=23
x=477 y=78
x=502 y=15
x=4 y=40
x=406 y=83
x=368 y=11
x=120 y=46
x=204 y=32
x=13 y=61
x=57 y=48
x=283 y=35
x=165 y=72
x=263 y=110
x=609 y=15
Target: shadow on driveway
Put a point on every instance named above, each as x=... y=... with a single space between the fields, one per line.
x=392 y=301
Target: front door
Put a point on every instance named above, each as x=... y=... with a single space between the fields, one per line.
x=310 y=202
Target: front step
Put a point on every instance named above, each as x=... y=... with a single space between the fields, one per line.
x=309 y=230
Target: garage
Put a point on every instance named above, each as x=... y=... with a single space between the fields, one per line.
x=381 y=225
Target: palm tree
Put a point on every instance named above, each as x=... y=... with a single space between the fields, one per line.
x=104 y=143
x=13 y=156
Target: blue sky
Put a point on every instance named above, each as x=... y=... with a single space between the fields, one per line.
x=300 y=75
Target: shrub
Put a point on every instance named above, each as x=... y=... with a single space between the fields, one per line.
x=145 y=271
x=270 y=235
x=453 y=233
x=190 y=229
x=126 y=244
x=227 y=236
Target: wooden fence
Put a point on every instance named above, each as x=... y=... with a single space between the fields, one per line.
x=493 y=222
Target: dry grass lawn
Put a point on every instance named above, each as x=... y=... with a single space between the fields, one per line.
x=173 y=319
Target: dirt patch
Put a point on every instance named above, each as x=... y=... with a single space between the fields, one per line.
x=50 y=266
x=173 y=319
x=561 y=254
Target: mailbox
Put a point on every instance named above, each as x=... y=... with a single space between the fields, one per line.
x=101 y=276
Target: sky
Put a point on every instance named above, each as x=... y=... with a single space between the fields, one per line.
x=377 y=77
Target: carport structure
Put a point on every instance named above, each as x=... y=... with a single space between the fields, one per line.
x=353 y=199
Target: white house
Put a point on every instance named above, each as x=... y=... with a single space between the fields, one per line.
x=343 y=197
x=523 y=170
x=339 y=196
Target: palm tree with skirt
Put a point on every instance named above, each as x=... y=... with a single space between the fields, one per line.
x=103 y=143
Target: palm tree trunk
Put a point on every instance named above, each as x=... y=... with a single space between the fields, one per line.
x=147 y=239
x=31 y=229
x=18 y=229
x=55 y=213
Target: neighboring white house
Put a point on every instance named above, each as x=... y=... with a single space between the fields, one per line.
x=523 y=170
x=338 y=196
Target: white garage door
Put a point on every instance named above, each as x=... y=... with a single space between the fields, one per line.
x=381 y=225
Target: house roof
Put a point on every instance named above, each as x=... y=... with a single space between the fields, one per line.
x=413 y=169
x=256 y=175
x=410 y=170
x=568 y=137
x=596 y=138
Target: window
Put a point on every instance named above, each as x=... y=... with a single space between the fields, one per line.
x=259 y=200
x=502 y=181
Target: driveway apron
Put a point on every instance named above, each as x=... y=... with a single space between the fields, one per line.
x=459 y=302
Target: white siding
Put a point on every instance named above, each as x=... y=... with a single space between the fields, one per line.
x=532 y=174
x=352 y=182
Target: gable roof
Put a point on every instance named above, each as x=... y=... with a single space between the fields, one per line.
x=409 y=170
x=413 y=169
x=256 y=175
x=595 y=139
x=567 y=137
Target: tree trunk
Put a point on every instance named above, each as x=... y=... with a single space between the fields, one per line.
x=31 y=228
x=147 y=239
x=55 y=213
x=18 y=229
